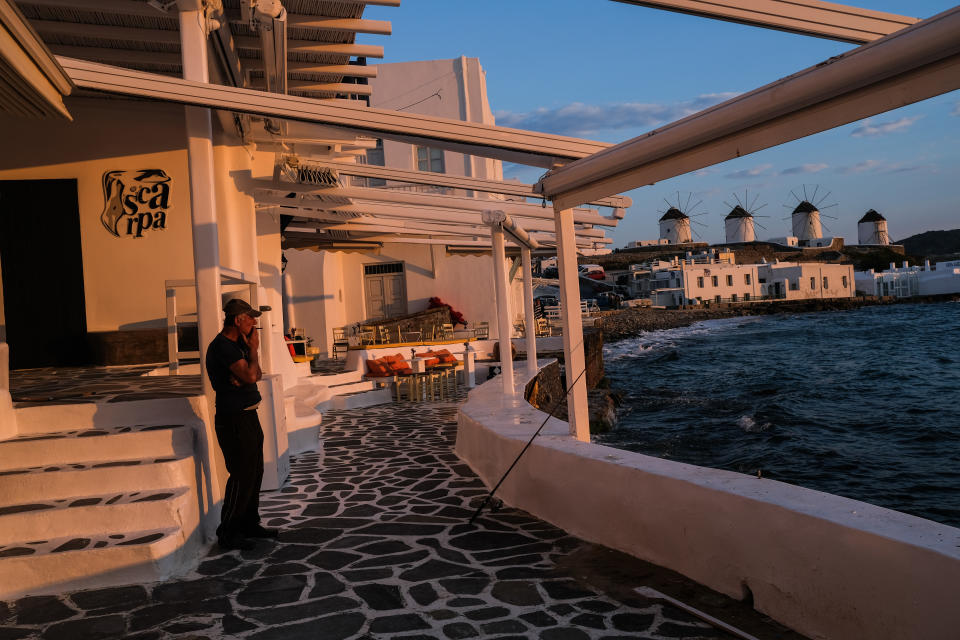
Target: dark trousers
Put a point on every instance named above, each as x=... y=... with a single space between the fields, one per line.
x=241 y=441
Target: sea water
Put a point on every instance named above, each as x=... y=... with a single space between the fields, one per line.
x=863 y=403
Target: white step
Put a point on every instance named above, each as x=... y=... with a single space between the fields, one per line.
x=359 y=400
x=39 y=484
x=134 y=557
x=76 y=517
x=96 y=445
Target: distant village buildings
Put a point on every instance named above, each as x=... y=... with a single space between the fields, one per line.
x=908 y=281
x=714 y=278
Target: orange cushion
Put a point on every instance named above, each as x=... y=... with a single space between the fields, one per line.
x=377 y=369
x=396 y=365
x=442 y=352
x=392 y=358
x=448 y=358
x=432 y=362
x=405 y=371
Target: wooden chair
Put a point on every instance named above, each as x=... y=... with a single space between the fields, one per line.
x=383 y=334
x=340 y=342
x=367 y=334
x=543 y=327
x=446 y=331
x=482 y=330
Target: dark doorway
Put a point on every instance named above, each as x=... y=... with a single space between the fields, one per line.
x=43 y=299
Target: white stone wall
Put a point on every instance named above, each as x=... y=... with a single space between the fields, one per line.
x=708 y=292
x=825 y=566
x=803 y=271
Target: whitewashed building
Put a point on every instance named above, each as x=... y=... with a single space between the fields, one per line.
x=806 y=280
x=908 y=281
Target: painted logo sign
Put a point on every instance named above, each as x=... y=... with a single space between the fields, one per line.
x=135 y=201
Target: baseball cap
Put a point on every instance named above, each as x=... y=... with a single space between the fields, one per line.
x=236 y=307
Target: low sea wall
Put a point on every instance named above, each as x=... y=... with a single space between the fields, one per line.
x=825 y=566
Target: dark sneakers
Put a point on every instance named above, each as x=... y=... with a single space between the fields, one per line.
x=259 y=531
x=236 y=542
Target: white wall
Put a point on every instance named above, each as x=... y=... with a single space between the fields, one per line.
x=826 y=566
x=778 y=272
x=123 y=277
x=709 y=292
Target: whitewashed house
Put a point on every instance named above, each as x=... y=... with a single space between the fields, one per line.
x=908 y=281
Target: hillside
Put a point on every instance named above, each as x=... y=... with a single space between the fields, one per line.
x=933 y=243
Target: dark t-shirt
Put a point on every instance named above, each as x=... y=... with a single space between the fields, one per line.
x=222 y=353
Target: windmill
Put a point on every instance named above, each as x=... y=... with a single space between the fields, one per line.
x=872 y=229
x=739 y=223
x=675 y=223
x=806 y=217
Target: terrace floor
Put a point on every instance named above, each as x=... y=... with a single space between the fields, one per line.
x=375 y=543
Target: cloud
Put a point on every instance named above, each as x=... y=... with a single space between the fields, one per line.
x=956 y=109
x=868 y=129
x=758 y=170
x=877 y=166
x=804 y=168
x=579 y=119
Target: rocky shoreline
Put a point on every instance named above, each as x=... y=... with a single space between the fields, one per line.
x=627 y=323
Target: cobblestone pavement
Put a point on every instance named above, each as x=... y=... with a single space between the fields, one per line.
x=374 y=543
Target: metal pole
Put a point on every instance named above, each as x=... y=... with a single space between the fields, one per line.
x=203 y=205
x=503 y=309
x=573 y=355
x=530 y=322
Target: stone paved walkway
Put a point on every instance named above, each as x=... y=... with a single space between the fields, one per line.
x=375 y=544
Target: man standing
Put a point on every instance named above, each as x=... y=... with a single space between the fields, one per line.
x=233 y=365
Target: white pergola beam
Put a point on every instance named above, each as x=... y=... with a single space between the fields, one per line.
x=117 y=56
x=118 y=7
x=322 y=87
x=806 y=17
x=382 y=210
x=350 y=25
x=348 y=70
x=454 y=182
x=521 y=209
x=919 y=62
x=311 y=46
x=107 y=32
x=500 y=143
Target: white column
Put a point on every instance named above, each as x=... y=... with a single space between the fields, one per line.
x=289 y=319
x=503 y=308
x=529 y=321
x=572 y=326
x=203 y=205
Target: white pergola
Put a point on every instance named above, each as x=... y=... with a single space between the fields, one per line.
x=903 y=61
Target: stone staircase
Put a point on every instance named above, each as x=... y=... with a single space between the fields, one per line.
x=97 y=507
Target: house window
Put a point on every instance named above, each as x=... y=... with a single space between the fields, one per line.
x=746 y=278
x=375 y=157
x=700 y=282
x=825 y=282
x=729 y=281
x=813 y=282
x=795 y=286
x=843 y=279
x=715 y=280
x=746 y=297
x=717 y=298
x=733 y=297
x=430 y=159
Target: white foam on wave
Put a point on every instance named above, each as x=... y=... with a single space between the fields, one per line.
x=650 y=342
x=750 y=425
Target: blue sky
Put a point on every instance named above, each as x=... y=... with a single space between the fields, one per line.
x=609 y=71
